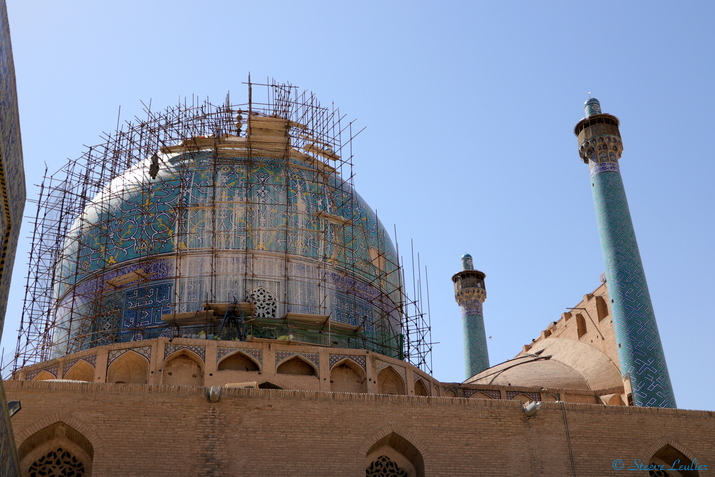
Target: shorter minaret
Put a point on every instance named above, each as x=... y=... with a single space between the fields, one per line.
x=470 y=293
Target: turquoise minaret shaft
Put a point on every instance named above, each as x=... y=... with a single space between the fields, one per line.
x=470 y=293
x=640 y=351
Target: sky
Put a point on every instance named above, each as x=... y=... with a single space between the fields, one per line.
x=469 y=110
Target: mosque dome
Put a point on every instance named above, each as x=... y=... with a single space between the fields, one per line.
x=242 y=225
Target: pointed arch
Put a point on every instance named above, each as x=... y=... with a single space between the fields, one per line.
x=297 y=365
x=523 y=398
x=671 y=455
x=581 y=325
x=80 y=371
x=130 y=367
x=390 y=382
x=480 y=395
x=57 y=447
x=348 y=377
x=421 y=389
x=394 y=455
x=238 y=361
x=601 y=308
x=183 y=368
x=43 y=376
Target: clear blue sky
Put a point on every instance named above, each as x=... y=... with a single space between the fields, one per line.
x=469 y=146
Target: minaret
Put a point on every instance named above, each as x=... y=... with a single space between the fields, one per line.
x=640 y=351
x=470 y=293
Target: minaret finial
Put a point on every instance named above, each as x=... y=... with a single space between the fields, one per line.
x=592 y=106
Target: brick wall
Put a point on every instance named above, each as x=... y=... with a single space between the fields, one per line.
x=170 y=430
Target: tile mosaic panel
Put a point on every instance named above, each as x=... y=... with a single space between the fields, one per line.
x=360 y=360
x=198 y=350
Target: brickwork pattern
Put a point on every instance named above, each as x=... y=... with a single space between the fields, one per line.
x=175 y=430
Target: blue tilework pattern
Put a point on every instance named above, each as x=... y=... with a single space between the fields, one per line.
x=161 y=229
x=476 y=354
x=640 y=351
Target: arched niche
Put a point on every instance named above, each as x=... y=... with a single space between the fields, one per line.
x=130 y=368
x=450 y=393
x=80 y=371
x=183 y=368
x=58 y=449
x=394 y=456
x=297 y=365
x=670 y=462
x=390 y=382
x=348 y=377
x=601 y=308
x=421 y=389
x=581 y=325
x=43 y=376
x=238 y=362
x=523 y=398
x=480 y=395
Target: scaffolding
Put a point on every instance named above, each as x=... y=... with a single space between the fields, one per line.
x=157 y=232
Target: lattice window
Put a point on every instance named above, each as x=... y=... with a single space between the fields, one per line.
x=384 y=467
x=265 y=303
x=57 y=463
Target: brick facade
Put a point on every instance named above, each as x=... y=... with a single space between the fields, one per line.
x=158 y=430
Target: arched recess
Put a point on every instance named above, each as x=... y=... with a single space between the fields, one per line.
x=480 y=395
x=238 y=362
x=666 y=461
x=389 y=382
x=523 y=398
x=80 y=371
x=394 y=456
x=297 y=365
x=43 y=376
x=183 y=368
x=131 y=367
x=58 y=449
x=348 y=377
x=601 y=308
x=580 y=325
x=421 y=389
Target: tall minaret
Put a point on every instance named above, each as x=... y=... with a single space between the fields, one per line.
x=639 y=348
x=470 y=293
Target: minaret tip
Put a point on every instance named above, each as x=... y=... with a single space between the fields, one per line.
x=467 y=263
x=592 y=106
